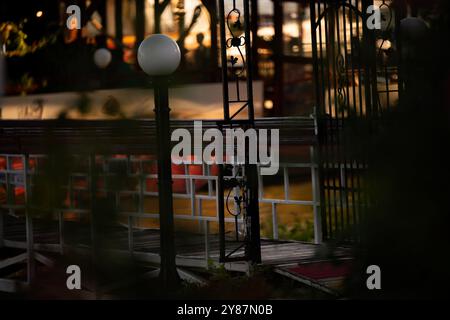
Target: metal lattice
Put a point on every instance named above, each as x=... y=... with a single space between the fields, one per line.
x=238 y=113
x=356 y=78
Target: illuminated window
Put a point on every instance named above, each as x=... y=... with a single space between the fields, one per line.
x=187 y=22
x=296 y=30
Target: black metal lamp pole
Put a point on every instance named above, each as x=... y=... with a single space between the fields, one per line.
x=159 y=56
x=168 y=272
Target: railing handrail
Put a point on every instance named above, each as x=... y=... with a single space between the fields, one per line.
x=123 y=136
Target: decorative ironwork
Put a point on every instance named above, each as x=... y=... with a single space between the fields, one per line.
x=342 y=80
x=235 y=40
x=348 y=68
x=244 y=181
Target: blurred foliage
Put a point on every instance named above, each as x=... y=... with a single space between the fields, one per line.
x=14 y=39
x=405 y=228
x=299 y=229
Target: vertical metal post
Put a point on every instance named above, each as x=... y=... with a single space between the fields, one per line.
x=251 y=170
x=207 y=243
x=168 y=272
x=180 y=14
x=253 y=249
x=140 y=21
x=30 y=247
x=29 y=224
x=200 y=214
x=260 y=183
x=278 y=56
x=274 y=221
x=221 y=211
x=315 y=198
x=1 y=229
x=368 y=62
x=249 y=58
x=286 y=183
x=254 y=32
x=224 y=62
x=93 y=196
x=118 y=22
x=158 y=11
x=192 y=195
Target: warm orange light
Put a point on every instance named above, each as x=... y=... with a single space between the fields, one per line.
x=268 y=104
x=39 y=14
x=129 y=40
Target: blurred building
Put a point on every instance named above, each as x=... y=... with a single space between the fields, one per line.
x=44 y=56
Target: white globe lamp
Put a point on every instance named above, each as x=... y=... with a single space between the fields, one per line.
x=159 y=55
x=102 y=57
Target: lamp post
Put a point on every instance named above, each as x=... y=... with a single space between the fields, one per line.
x=159 y=56
x=102 y=59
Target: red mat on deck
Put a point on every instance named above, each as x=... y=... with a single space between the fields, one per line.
x=322 y=270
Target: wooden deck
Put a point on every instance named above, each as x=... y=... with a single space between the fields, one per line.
x=288 y=258
x=189 y=245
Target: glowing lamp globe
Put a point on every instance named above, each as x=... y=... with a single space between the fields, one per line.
x=158 y=55
x=102 y=57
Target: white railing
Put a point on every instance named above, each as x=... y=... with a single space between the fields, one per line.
x=16 y=188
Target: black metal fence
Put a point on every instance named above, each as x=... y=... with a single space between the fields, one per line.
x=357 y=77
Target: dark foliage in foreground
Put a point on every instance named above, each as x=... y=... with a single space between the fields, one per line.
x=406 y=228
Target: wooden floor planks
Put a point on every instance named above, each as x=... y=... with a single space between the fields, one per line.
x=188 y=245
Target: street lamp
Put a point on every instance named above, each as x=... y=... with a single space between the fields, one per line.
x=102 y=57
x=159 y=56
